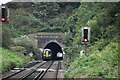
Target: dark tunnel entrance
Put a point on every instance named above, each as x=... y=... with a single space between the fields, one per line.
x=55 y=48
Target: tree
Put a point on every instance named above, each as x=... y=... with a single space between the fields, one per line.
x=6 y=37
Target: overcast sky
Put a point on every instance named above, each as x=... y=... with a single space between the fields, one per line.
x=4 y=1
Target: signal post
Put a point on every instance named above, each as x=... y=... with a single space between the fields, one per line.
x=85 y=37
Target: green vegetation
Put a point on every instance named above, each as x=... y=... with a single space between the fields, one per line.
x=27 y=18
x=101 y=59
x=16 y=50
x=102 y=63
x=6 y=36
x=25 y=42
x=11 y=60
x=19 y=49
x=30 y=18
x=102 y=18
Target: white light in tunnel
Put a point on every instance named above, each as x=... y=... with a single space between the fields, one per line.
x=59 y=54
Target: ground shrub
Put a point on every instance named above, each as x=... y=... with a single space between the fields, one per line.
x=10 y=59
x=102 y=64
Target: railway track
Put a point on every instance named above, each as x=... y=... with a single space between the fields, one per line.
x=19 y=70
x=37 y=72
x=52 y=73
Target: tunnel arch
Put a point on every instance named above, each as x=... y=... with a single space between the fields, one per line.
x=47 y=42
x=55 y=48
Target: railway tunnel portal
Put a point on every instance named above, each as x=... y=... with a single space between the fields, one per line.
x=43 y=39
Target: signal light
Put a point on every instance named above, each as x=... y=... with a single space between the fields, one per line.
x=85 y=40
x=85 y=34
x=4 y=14
x=3 y=19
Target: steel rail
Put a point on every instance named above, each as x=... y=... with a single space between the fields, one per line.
x=57 y=68
x=16 y=73
x=36 y=77
x=44 y=72
x=31 y=72
x=5 y=78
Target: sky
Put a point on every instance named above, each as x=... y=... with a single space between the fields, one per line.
x=4 y=1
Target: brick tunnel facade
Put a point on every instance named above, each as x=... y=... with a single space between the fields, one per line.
x=43 y=39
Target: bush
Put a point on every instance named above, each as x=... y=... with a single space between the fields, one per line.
x=98 y=45
x=6 y=36
x=103 y=63
x=37 y=54
x=19 y=49
x=11 y=59
x=25 y=42
x=70 y=54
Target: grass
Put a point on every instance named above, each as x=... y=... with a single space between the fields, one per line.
x=98 y=64
x=10 y=60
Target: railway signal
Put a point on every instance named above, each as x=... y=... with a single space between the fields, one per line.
x=4 y=14
x=85 y=38
x=85 y=35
